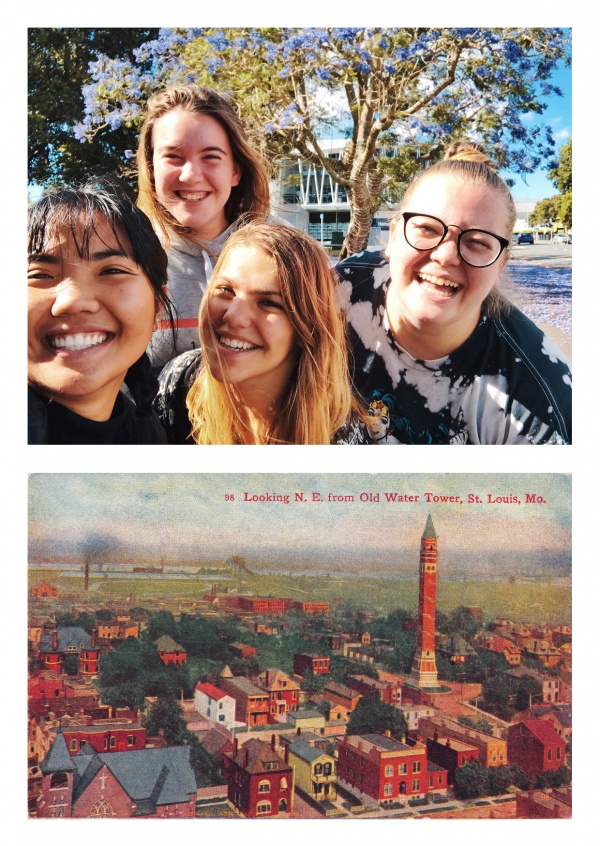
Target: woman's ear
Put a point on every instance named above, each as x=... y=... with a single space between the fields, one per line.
x=393 y=234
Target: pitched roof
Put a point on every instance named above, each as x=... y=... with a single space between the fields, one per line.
x=150 y=777
x=165 y=643
x=211 y=690
x=306 y=751
x=542 y=729
x=429 y=531
x=259 y=754
x=69 y=638
x=57 y=758
x=245 y=685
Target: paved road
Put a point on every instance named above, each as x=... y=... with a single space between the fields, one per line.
x=556 y=254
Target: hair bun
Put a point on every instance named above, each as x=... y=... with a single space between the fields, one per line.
x=469 y=151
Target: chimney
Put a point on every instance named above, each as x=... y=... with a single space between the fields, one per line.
x=54 y=639
x=287 y=752
x=298 y=730
x=235 y=747
x=388 y=733
x=273 y=742
x=435 y=735
x=266 y=678
x=93 y=638
x=448 y=742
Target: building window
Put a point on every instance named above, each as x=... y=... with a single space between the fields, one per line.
x=416 y=785
x=263 y=808
x=549 y=754
x=282 y=805
x=558 y=753
x=113 y=742
x=387 y=789
x=294 y=694
x=264 y=786
x=402 y=769
x=221 y=718
x=327 y=769
x=389 y=771
x=283 y=785
x=73 y=746
x=416 y=766
x=102 y=808
x=58 y=780
x=130 y=740
x=463 y=760
x=318 y=769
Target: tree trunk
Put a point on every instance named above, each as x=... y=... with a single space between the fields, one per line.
x=362 y=210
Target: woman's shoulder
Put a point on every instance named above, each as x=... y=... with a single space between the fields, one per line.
x=174 y=382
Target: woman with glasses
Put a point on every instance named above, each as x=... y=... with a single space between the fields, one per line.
x=457 y=362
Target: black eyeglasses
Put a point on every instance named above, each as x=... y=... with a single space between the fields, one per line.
x=475 y=246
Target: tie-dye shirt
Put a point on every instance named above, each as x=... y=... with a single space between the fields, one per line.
x=508 y=383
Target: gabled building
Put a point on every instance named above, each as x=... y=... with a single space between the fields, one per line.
x=450 y=754
x=283 y=691
x=150 y=783
x=69 y=640
x=502 y=646
x=541 y=650
x=387 y=770
x=115 y=737
x=214 y=704
x=251 y=703
x=455 y=648
x=44 y=589
x=259 y=783
x=492 y=750
x=169 y=651
x=314 y=770
x=386 y=691
x=551 y=685
x=341 y=694
x=535 y=746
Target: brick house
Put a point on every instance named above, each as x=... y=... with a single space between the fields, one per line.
x=169 y=651
x=284 y=693
x=387 y=769
x=259 y=783
x=535 y=746
x=214 y=704
x=149 y=783
x=551 y=685
x=545 y=804
x=44 y=589
x=69 y=640
x=341 y=694
x=252 y=705
x=492 y=750
x=502 y=646
x=117 y=737
x=545 y=652
x=243 y=650
x=450 y=754
x=319 y=664
x=386 y=691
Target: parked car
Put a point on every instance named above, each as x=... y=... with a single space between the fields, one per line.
x=525 y=238
x=562 y=238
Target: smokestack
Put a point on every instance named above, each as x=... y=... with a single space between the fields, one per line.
x=54 y=639
x=86 y=576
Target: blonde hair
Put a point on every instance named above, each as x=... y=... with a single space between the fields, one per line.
x=319 y=399
x=469 y=161
x=250 y=197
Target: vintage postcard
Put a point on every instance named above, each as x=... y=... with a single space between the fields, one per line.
x=299 y=646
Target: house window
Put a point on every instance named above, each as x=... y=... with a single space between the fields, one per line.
x=73 y=746
x=283 y=785
x=58 y=780
x=416 y=785
x=549 y=754
x=327 y=769
x=318 y=769
x=558 y=753
x=387 y=789
x=221 y=718
x=264 y=786
x=113 y=742
x=463 y=760
x=402 y=769
x=294 y=694
x=389 y=771
x=263 y=807
x=416 y=766
x=282 y=805
x=130 y=740
x=440 y=779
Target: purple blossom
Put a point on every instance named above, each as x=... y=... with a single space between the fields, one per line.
x=129 y=154
x=362 y=67
x=218 y=41
x=212 y=64
x=323 y=73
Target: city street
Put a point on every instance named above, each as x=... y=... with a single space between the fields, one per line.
x=542 y=252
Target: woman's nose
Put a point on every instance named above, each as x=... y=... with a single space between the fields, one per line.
x=238 y=312
x=74 y=296
x=191 y=171
x=446 y=251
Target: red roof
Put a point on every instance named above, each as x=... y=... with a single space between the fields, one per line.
x=543 y=730
x=210 y=690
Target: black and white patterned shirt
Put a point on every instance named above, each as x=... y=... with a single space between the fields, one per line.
x=508 y=383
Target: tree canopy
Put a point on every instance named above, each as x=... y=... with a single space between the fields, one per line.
x=560 y=206
x=374 y=717
x=406 y=90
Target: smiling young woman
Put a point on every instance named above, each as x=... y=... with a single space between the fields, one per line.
x=197 y=176
x=452 y=361
x=96 y=276
x=273 y=365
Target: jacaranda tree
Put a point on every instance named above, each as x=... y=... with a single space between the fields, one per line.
x=412 y=90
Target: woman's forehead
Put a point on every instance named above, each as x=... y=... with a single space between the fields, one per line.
x=87 y=234
x=458 y=200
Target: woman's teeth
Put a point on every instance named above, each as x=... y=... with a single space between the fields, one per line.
x=435 y=280
x=79 y=341
x=234 y=344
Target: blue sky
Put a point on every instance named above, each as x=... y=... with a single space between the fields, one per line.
x=558 y=116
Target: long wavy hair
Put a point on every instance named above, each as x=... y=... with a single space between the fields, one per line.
x=250 y=197
x=318 y=399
